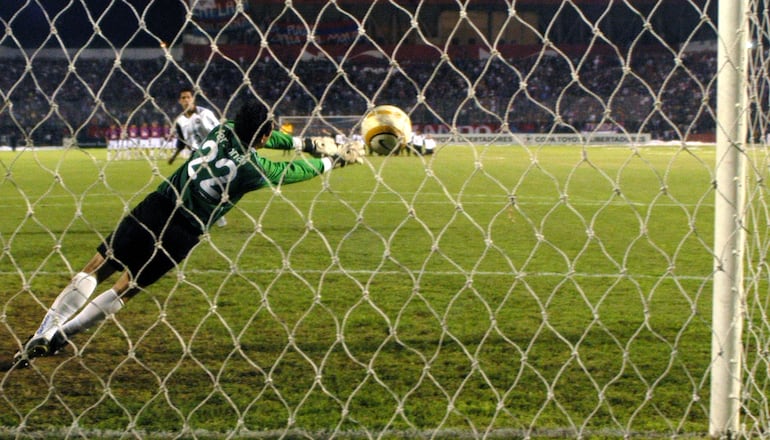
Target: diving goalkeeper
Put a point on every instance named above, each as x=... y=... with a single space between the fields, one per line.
x=163 y=228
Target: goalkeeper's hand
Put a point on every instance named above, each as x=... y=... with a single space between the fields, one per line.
x=349 y=153
x=320 y=146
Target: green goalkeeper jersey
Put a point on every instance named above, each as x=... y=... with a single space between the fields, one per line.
x=221 y=171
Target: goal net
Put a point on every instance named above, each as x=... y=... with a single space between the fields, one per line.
x=331 y=126
x=550 y=271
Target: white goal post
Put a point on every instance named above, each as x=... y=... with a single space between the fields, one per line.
x=584 y=253
x=729 y=222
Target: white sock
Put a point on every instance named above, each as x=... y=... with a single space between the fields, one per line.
x=94 y=312
x=69 y=301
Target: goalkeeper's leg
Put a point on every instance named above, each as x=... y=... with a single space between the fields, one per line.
x=66 y=304
x=47 y=339
x=69 y=301
x=58 y=335
x=95 y=311
x=101 y=307
x=73 y=297
x=106 y=304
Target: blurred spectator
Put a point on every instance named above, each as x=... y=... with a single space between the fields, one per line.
x=651 y=93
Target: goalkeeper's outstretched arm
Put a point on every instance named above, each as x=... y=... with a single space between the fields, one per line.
x=318 y=146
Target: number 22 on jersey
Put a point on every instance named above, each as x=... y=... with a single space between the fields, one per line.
x=211 y=180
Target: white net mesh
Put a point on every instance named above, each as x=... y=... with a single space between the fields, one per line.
x=546 y=272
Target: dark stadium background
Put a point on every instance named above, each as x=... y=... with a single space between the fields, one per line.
x=673 y=20
x=76 y=96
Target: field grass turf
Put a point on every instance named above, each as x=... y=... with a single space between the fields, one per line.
x=482 y=290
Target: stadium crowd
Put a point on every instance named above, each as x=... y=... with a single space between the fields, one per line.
x=46 y=100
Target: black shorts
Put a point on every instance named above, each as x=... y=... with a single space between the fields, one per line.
x=150 y=241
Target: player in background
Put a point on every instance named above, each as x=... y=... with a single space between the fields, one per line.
x=356 y=137
x=144 y=139
x=168 y=139
x=113 y=141
x=422 y=144
x=156 y=138
x=340 y=138
x=429 y=144
x=417 y=143
x=124 y=144
x=133 y=140
x=192 y=125
x=184 y=206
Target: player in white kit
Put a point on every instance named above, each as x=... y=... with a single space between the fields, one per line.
x=192 y=126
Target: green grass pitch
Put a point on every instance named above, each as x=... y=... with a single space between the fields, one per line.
x=488 y=289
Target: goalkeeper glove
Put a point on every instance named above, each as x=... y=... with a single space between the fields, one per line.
x=320 y=146
x=349 y=153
